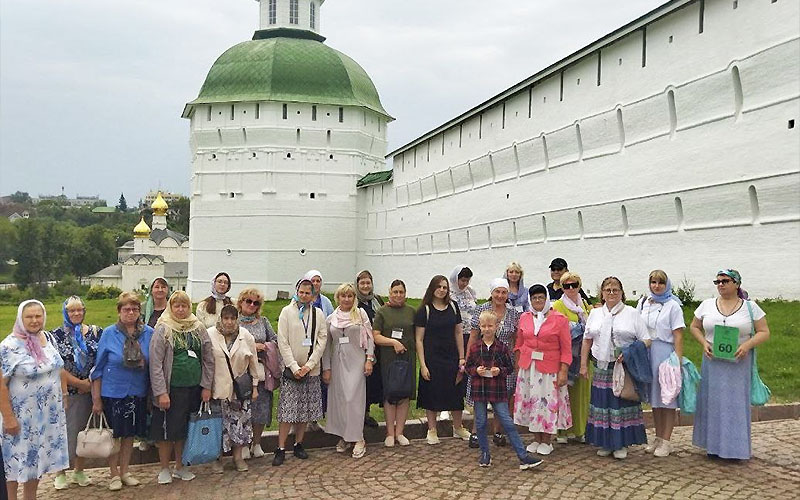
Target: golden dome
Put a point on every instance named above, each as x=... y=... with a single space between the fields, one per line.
x=142 y=230
x=159 y=206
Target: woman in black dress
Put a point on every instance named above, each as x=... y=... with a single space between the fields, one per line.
x=440 y=348
x=370 y=303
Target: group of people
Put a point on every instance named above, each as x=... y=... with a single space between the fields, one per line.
x=542 y=357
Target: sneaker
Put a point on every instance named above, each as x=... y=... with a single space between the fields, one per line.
x=432 y=437
x=280 y=456
x=652 y=445
x=61 y=482
x=256 y=451
x=445 y=415
x=115 y=484
x=664 y=449
x=544 y=449
x=241 y=466
x=499 y=439
x=80 y=478
x=473 y=441
x=485 y=460
x=370 y=422
x=246 y=453
x=164 y=476
x=529 y=462
x=462 y=433
x=360 y=449
x=299 y=451
x=531 y=448
x=562 y=439
x=402 y=440
x=388 y=442
x=621 y=453
x=129 y=480
x=581 y=438
x=343 y=445
x=602 y=452
x=183 y=474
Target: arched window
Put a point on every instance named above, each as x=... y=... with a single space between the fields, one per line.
x=294 y=17
x=313 y=15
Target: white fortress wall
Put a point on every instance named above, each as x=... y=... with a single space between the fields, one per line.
x=674 y=146
x=273 y=197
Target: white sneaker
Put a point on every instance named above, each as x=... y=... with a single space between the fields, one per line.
x=445 y=415
x=183 y=474
x=531 y=448
x=544 y=449
x=602 y=452
x=432 y=437
x=164 y=476
x=562 y=439
x=388 y=442
x=246 y=453
x=256 y=451
x=402 y=440
x=652 y=445
x=621 y=454
x=664 y=449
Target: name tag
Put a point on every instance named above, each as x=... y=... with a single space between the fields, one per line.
x=306 y=342
x=344 y=340
x=726 y=341
x=518 y=309
x=537 y=355
x=397 y=334
x=191 y=353
x=487 y=374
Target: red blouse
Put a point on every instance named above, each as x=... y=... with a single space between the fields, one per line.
x=553 y=341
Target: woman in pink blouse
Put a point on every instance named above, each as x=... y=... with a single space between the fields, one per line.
x=543 y=352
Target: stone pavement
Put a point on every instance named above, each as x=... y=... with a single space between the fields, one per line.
x=450 y=471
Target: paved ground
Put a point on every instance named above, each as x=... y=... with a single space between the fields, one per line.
x=450 y=470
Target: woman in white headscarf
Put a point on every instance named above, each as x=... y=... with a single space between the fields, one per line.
x=208 y=309
x=320 y=301
x=32 y=396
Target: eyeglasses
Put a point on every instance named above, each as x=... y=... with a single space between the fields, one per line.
x=612 y=291
x=252 y=302
x=129 y=310
x=567 y=286
x=538 y=298
x=722 y=282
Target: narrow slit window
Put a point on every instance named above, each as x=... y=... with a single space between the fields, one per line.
x=313 y=15
x=341 y=115
x=314 y=113
x=285 y=111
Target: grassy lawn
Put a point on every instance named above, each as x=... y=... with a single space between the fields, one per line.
x=777 y=358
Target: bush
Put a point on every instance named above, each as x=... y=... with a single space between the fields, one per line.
x=685 y=291
x=69 y=286
x=97 y=292
x=113 y=292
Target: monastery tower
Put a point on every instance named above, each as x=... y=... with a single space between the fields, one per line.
x=283 y=128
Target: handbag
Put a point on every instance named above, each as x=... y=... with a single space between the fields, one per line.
x=96 y=442
x=243 y=384
x=203 y=437
x=759 y=392
x=622 y=383
x=397 y=386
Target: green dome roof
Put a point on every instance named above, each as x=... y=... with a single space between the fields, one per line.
x=289 y=69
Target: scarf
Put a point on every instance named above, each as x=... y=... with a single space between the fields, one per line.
x=187 y=324
x=500 y=283
x=224 y=332
x=577 y=309
x=371 y=295
x=667 y=295
x=242 y=319
x=31 y=339
x=540 y=316
x=343 y=319
x=132 y=356
x=215 y=293
x=149 y=305
x=737 y=278
x=80 y=352
x=605 y=342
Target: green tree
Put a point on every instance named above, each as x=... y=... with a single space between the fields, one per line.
x=28 y=253
x=178 y=218
x=95 y=249
x=8 y=239
x=21 y=197
x=122 y=206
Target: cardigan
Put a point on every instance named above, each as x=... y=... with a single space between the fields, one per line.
x=292 y=332
x=553 y=341
x=243 y=359
x=161 y=353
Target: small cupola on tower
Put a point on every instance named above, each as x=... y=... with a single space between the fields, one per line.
x=291 y=14
x=141 y=234
x=160 y=208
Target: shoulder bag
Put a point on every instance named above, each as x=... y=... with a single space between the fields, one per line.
x=759 y=392
x=243 y=384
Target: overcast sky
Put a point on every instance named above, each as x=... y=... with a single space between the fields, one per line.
x=91 y=91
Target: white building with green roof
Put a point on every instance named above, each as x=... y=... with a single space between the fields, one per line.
x=283 y=128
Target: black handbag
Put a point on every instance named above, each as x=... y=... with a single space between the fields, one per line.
x=243 y=384
x=397 y=386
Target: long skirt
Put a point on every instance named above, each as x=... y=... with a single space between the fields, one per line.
x=660 y=351
x=300 y=400
x=579 y=394
x=539 y=404
x=237 y=424
x=722 y=419
x=78 y=411
x=614 y=423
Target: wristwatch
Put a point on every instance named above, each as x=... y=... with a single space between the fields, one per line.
x=371 y=359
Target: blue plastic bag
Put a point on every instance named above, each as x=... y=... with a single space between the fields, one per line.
x=204 y=437
x=690 y=380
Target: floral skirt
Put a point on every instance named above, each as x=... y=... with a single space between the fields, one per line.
x=237 y=422
x=300 y=401
x=539 y=403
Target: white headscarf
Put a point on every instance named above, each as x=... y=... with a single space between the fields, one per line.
x=497 y=283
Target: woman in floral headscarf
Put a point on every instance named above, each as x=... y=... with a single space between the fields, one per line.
x=34 y=438
x=208 y=309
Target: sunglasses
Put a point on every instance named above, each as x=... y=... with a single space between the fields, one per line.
x=722 y=282
x=567 y=286
x=252 y=302
x=612 y=291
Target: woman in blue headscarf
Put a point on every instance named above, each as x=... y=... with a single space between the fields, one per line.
x=77 y=343
x=662 y=313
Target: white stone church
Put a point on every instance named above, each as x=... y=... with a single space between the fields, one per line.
x=669 y=143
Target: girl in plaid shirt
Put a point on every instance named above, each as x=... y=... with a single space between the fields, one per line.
x=488 y=364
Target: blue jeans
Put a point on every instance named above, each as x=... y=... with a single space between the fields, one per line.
x=500 y=412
